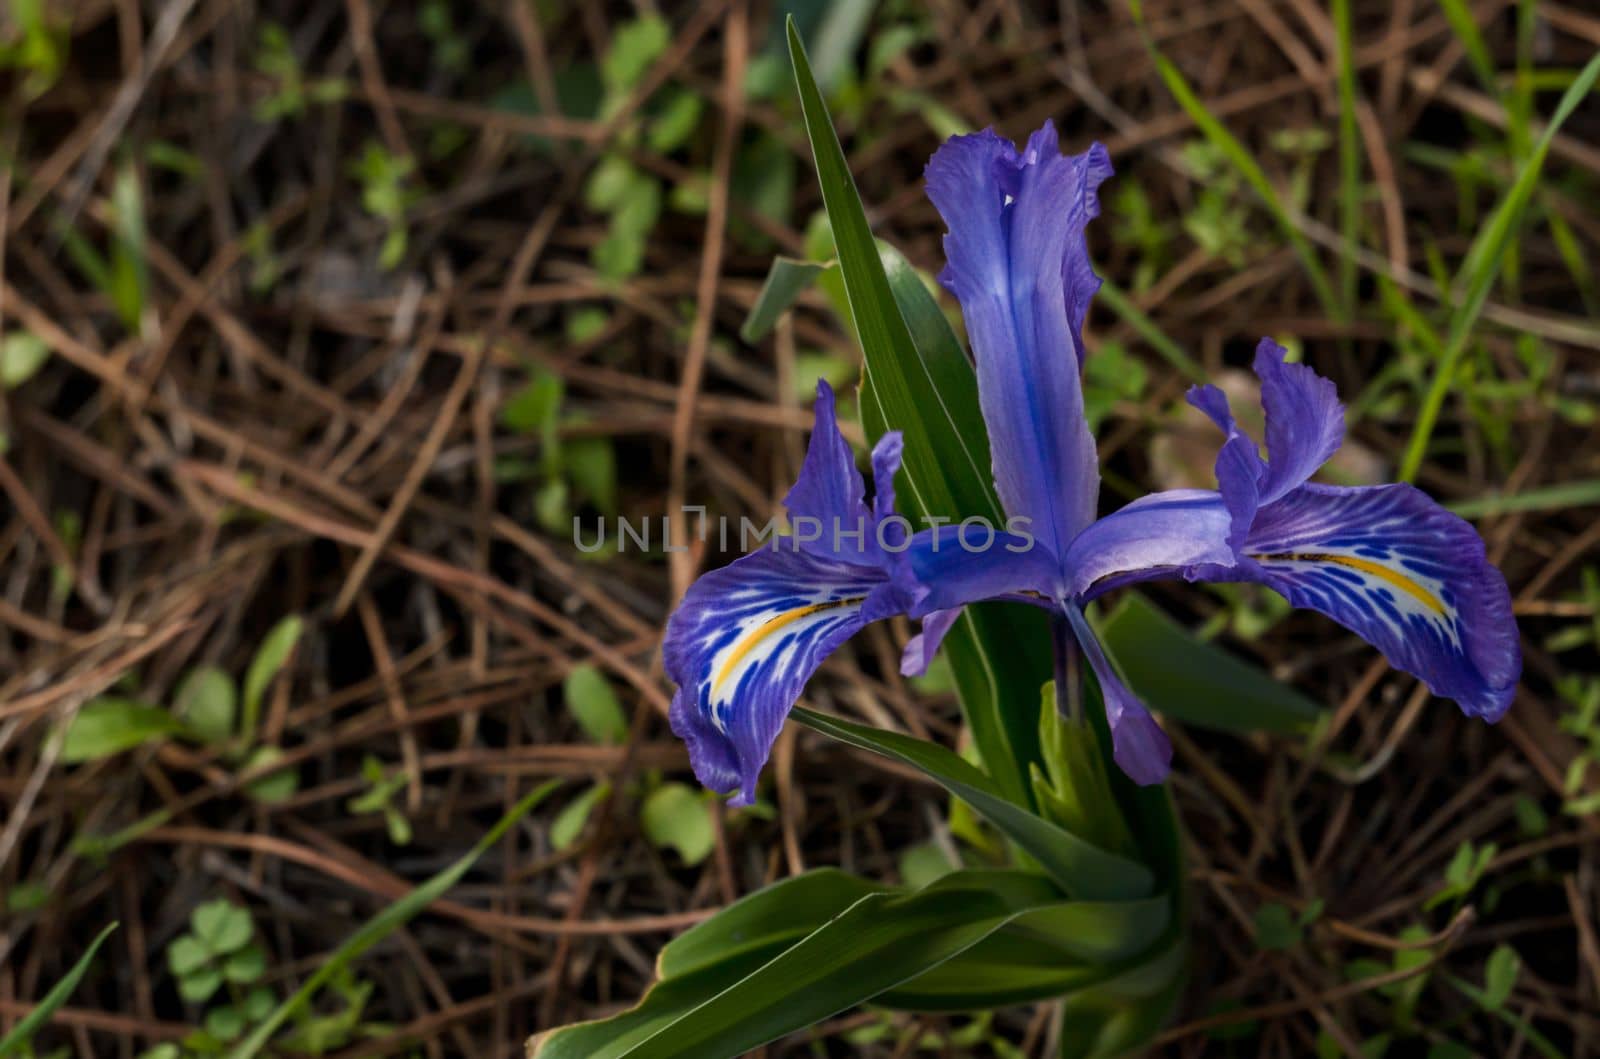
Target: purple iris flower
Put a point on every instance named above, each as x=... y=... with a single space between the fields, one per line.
x=747 y=637
x=1384 y=561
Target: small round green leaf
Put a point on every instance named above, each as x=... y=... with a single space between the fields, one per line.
x=208 y=702
x=594 y=705
x=186 y=955
x=675 y=816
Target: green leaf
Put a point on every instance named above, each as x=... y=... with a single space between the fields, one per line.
x=1124 y=308
x=1081 y=870
x=129 y=281
x=28 y=896
x=1239 y=157
x=1276 y=928
x=919 y=381
x=17 y=1041
x=221 y=926
x=765 y=921
x=270 y=657
x=245 y=966
x=591 y=465
x=607 y=188
x=675 y=122
x=258 y=1003
x=22 y=354
x=634 y=46
x=535 y=406
x=594 y=705
x=208 y=703
x=1584 y=493
x=1482 y=264
x=787 y=279
x=383 y=924
x=200 y=986
x=836 y=36
x=1500 y=976
x=552 y=505
x=569 y=822
x=107 y=726
x=186 y=955
x=881 y=940
x=1196 y=682
x=676 y=816
x=280 y=786
x=923 y=863
x=224 y=1023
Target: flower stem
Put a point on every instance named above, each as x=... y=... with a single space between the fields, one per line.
x=1069 y=670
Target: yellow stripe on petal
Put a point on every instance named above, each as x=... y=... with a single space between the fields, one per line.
x=1366 y=566
x=753 y=639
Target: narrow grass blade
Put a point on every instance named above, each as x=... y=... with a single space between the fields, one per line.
x=1349 y=158
x=1549 y=498
x=787 y=279
x=17 y=1041
x=1465 y=26
x=1482 y=264
x=1081 y=870
x=1252 y=173
x=1119 y=303
x=385 y=923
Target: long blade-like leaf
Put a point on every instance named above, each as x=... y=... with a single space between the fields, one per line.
x=1482 y=264
x=1197 y=682
x=385 y=923
x=787 y=279
x=1082 y=870
x=879 y=942
x=919 y=381
x=22 y=1033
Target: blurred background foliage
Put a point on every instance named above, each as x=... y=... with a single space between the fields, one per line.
x=320 y=322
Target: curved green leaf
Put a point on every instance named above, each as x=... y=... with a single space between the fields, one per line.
x=1082 y=870
x=15 y=1042
x=1197 y=682
x=385 y=923
x=779 y=914
x=880 y=941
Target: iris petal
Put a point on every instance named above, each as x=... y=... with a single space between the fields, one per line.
x=829 y=488
x=742 y=645
x=1018 y=264
x=1158 y=536
x=1138 y=744
x=1406 y=575
x=1305 y=421
x=1240 y=469
x=921 y=648
x=954 y=565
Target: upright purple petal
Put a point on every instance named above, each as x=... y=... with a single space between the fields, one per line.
x=885 y=465
x=1138 y=744
x=1402 y=572
x=1239 y=466
x=1018 y=264
x=829 y=489
x=1305 y=421
x=742 y=645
